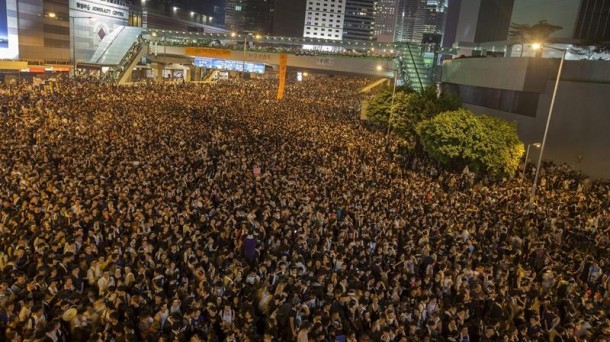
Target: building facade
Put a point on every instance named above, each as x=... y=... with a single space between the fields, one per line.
x=434 y=23
x=359 y=20
x=254 y=16
x=324 y=19
x=54 y=34
x=411 y=21
x=288 y=18
x=385 y=20
x=593 y=22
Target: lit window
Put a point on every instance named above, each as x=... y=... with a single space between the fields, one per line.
x=238 y=8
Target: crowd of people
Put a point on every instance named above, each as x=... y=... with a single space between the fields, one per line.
x=315 y=50
x=214 y=212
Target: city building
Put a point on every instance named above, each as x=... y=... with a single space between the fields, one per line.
x=324 y=19
x=593 y=22
x=385 y=20
x=410 y=21
x=473 y=24
x=359 y=20
x=52 y=35
x=289 y=18
x=249 y=16
x=434 y=23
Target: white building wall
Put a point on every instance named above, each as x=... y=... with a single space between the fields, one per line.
x=324 y=19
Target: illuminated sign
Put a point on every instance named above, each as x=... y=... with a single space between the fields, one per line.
x=9 y=38
x=3 y=25
x=207 y=52
x=224 y=64
x=101 y=8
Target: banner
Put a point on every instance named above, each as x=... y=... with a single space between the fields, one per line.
x=207 y=52
x=280 y=89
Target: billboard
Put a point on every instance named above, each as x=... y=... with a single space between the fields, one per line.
x=225 y=64
x=3 y=25
x=9 y=42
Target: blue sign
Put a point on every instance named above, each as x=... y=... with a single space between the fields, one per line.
x=3 y=25
x=225 y=64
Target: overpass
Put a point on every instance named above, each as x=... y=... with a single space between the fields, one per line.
x=122 y=50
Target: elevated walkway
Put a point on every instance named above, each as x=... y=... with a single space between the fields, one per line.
x=122 y=49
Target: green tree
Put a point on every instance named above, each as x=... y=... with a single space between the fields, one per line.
x=500 y=149
x=459 y=138
x=409 y=109
x=526 y=33
x=378 y=109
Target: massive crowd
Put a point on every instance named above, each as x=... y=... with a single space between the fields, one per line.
x=214 y=212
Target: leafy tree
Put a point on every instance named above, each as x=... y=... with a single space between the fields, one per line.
x=378 y=108
x=525 y=33
x=459 y=138
x=410 y=108
x=500 y=149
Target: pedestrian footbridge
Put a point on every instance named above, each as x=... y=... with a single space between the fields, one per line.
x=120 y=52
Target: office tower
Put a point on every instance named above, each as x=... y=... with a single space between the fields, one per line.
x=359 y=20
x=249 y=16
x=411 y=21
x=593 y=21
x=289 y=18
x=434 y=24
x=324 y=19
x=385 y=20
x=481 y=21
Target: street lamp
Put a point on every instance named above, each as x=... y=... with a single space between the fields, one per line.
x=548 y=119
x=243 y=66
x=394 y=75
x=527 y=153
x=73 y=35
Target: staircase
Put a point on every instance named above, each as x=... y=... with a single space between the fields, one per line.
x=121 y=50
x=125 y=68
x=413 y=70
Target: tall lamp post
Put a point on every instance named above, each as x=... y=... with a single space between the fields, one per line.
x=394 y=76
x=243 y=66
x=548 y=119
x=73 y=34
x=527 y=153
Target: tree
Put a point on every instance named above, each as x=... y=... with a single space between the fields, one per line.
x=525 y=33
x=459 y=138
x=378 y=109
x=500 y=150
x=410 y=108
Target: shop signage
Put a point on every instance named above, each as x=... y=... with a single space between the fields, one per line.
x=100 y=8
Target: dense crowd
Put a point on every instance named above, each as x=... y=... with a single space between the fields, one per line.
x=214 y=212
x=315 y=50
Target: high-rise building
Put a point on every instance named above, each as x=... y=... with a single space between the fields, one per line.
x=593 y=22
x=385 y=20
x=249 y=16
x=477 y=25
x=434 y=24
x=359 y=20
x=324 y=19
x=411 y=21
x=288 y=18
